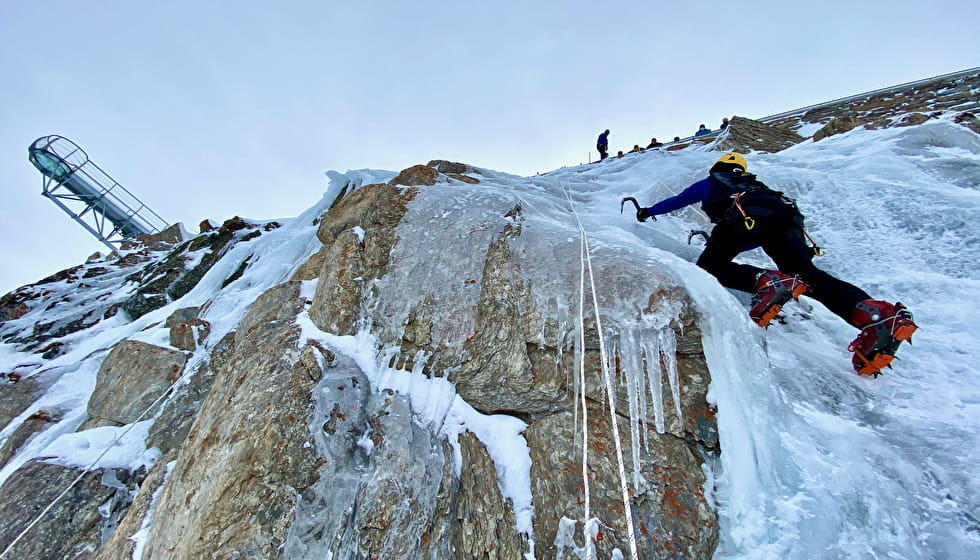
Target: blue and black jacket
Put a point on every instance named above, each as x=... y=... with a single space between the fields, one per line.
x=716 y=194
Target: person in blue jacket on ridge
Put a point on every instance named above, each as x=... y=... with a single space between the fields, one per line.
x=702 y=130
x=748 y=214
x=602 y=144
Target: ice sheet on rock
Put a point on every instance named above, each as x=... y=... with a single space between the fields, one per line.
x=435 y=406
x=437 y=265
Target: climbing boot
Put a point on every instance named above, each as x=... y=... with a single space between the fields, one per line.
x=883 y=328
x=772 y=290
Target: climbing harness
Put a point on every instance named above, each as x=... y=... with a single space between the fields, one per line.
x=750 y=223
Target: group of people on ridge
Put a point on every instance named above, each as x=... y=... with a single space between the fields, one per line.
x=748 y=214
x=602 y=144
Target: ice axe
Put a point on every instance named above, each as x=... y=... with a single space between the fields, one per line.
x=694 y=232
x=640 y=217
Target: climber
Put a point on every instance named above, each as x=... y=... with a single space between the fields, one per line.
x=702 y=130
x=748 y=214
x=602 y=144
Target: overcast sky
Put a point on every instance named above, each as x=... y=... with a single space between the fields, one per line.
x=215 y=109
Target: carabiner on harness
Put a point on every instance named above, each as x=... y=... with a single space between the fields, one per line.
x=749 y=222
x=817 y=251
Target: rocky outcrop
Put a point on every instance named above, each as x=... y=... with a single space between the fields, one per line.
x=969 y=120
x=357 y=239
x=459 y=171
x=132 y=377
x=160 y=241
x=415 y=176
x=434 y=172
x=186 y=329
x=171 y=278
x=504 y=366
x=32 y=425
x=838 y=126
x=954 y=94
x=234 y=485
x=745 y=135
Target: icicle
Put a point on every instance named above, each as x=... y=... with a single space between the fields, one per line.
x=625 y=353
x=651 y=351
x=668 y=349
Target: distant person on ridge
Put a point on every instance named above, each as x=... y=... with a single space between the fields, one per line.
x=748 y=214
x=702 y=130
x=602 y=144
x=654 y=143
x=724 y=124
x=636 y=149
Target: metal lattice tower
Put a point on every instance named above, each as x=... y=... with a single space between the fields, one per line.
x=89 y=195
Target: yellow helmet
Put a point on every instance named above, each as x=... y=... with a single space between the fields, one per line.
x=733 y=158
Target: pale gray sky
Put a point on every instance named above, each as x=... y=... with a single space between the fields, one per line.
x=215 y=109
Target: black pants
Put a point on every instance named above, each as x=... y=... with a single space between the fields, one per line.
x=787 y=247
x=603 y=152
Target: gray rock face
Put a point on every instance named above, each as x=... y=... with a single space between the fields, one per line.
x=75 y=526
x=234 y=486
x=280 y=447
x=511 y=356
x=348 y=261
x=132 y=377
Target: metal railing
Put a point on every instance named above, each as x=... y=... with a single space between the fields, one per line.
x=89 y=195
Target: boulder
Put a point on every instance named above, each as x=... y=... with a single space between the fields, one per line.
x=969 y=120
x=130 y=379
x=838 y=126
x=417 y=175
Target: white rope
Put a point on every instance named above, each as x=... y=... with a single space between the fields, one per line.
x=581 y=383
x=610 y=389
x=88 y=469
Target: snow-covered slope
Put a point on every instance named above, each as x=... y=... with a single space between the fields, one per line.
x=816 y=461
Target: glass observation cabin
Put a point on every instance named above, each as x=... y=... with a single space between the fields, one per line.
x=89 y=195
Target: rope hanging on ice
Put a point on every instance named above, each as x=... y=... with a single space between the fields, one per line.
x=581 y=388
x=610 y=390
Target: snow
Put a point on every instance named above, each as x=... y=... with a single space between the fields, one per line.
x=109 y=447
x=815 y=459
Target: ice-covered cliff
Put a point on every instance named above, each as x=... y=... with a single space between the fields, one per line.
x=421 y=366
